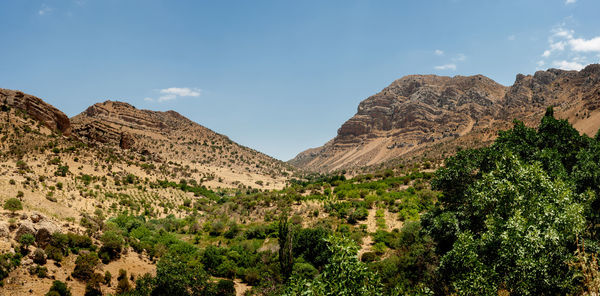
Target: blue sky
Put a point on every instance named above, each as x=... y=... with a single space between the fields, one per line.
x=278 y=76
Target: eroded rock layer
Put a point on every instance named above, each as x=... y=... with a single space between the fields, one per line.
x=429 y=114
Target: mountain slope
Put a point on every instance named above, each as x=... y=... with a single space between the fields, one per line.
x=428 y=114
x=170 y=137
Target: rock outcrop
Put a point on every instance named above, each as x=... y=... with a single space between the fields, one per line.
x=38 y=109
x=418 y=112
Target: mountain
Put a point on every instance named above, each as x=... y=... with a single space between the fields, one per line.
x=430 y=116
x=36 y=108
x=172 y=138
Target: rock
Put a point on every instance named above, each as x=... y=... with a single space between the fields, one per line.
x=126 y=141
x=38 y=109
x=4 y=229
x=35 y=218
x=423 y=111
x=45 y=229
x=25 y=227
x=27 y=262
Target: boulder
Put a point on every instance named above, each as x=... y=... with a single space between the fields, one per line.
x=45 y=229
x=25 y=227
x=4 y=230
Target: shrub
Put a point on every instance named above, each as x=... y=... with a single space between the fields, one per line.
x=13 y=205
x=225 y=288
x=39 y=257
x=368 y=257
x=304 y=270
x=112 y=244
x=85 y=265
x=123 y=285
x=59 y=288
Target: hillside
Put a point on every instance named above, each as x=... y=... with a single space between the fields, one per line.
x=168 y=137
x=430 y=116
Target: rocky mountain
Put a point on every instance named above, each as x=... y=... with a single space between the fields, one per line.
x=170 y=137
x=431 y=115
x=36 y=108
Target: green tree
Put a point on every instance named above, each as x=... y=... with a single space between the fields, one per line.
x=526 y=224
x=13 y=205
x=180 y=272
x=344 y=275
x=59 y=288
x=85 y=264
x=285 y=238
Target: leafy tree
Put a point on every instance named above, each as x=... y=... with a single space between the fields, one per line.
x=13 y=205
x=180 y=272
x=59 y=288
x=286 y=259
x=85 y=264
x=344 y=274
x=112 y=244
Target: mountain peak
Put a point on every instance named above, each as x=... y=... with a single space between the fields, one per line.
x=418 y=112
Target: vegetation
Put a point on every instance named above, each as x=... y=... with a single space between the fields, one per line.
x=13 y=205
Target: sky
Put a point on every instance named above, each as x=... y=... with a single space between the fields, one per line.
x=277 y=76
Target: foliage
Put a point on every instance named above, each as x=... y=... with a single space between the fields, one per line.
x=510 y=213
x=85 y=264
x=343 y=275
x=59 y=288
x=13 y=205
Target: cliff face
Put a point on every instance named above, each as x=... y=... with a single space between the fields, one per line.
x=421 y=111
x=38 y=109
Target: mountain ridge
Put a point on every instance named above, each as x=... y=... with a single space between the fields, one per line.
x=420 y=111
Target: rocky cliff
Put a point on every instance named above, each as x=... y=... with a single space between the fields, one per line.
x=38 y=109
x=428 y=113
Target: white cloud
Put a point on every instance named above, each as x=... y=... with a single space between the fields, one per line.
x=446 y=67
x=583 y=45
x=181 y=91
x=511 y=37
x=172 y=93
x=570 y=1
x=566 y=65
x=546 y=53
x=569 y=52
x=45 y=10
x=541 y=63
x=439 y=52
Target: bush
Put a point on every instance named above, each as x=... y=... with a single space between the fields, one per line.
x=225 y=288
x=39 y=257
x=304 y=270
x=59 y=288
x=123 y=285
x=7 y=263
x=112 y=244
x=369 y=257
x=13 y=205
x=85 y=265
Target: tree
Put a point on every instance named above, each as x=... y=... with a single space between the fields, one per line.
x=526 y=224
x=112 y=245
x=286 y=259
x=180 y=272
x=344 y=275
x=13 y=205
x=123 y=285
x=59 y=288
x=26 y=240
x=85 y=264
